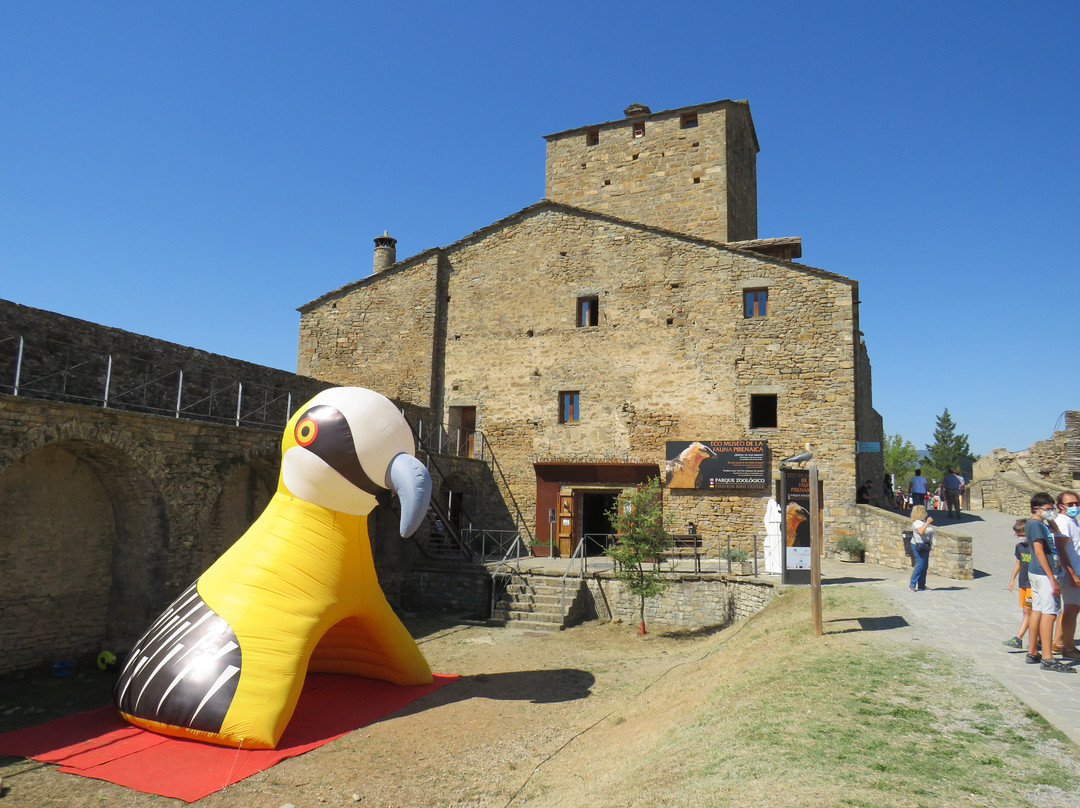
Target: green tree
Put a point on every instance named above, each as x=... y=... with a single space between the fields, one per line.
x=901 y=459
x=638 y=519
x=947 y=447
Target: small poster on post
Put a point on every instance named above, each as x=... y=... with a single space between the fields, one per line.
x=795 y=503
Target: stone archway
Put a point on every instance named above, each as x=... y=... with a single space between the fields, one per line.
x=84 y=552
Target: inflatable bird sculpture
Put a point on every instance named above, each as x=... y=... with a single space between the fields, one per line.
x=298 y=591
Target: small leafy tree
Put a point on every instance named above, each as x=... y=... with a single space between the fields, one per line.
x=948 y=446
x=901 y=459
x=638 y=519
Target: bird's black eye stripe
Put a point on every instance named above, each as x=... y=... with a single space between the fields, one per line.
x=333 y=442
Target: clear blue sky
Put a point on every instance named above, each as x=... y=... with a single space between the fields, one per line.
x=196 y=170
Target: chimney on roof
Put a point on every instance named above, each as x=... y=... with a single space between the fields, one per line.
x=385 y=252
x=636 y=109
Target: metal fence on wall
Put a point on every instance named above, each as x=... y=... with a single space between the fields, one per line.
x=57 y=371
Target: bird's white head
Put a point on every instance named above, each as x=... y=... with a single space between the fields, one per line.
x=344 y=446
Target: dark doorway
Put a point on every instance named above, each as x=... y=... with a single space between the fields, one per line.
x=595 y=524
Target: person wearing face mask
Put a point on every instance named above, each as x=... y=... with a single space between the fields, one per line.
x=1068 y=548
x=1044 y=585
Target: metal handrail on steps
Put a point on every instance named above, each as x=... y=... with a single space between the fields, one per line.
x=579 y=552
x=517 y=547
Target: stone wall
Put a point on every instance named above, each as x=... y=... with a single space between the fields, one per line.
x=108 y=514
x=692 y=602
x=67 y=359
x=700 y=180
x=380 y=332
x=462 y=591
x=671 y=358
x=1005 y=480
x=881 y=532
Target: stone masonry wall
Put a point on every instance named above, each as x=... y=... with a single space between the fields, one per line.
x=690 y=603
x=701 y=180
x=672 y=357
x=882 y=533
x=108 y=514
x=64 y=358
x=379 y=332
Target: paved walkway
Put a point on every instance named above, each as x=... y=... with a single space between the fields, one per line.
x=971 y=618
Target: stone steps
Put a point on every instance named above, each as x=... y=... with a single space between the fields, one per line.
x=534 y=602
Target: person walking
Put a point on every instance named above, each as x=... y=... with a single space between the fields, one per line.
x=917 y=487
x=1020 y=578
x=954 y=488
x=922 y=540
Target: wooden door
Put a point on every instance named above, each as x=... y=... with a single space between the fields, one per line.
x=564 y=525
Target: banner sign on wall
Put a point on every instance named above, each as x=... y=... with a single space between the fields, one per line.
x=716 y=464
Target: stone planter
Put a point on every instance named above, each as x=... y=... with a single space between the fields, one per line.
x=851 y=558
x=543 y=551
x=739 y=567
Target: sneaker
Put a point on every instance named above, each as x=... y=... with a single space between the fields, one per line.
x=1070 y=653
x=1054 y=665
x=1032 y=659
x=1013 y=643
x=913 y=589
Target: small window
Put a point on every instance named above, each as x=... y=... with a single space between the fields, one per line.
x=763 y=411
x=592 y=137
x=588 y=311
x=755 y=302
x=639 y=128
x=568 y=407
x=688 y=121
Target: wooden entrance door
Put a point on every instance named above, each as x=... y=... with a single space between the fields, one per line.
x=564 y=525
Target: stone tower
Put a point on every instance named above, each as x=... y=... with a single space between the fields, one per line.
x=691 y=170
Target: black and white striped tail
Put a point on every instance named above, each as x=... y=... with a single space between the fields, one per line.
x=184 y=670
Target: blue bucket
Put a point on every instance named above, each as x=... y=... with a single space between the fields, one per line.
x=63 y=667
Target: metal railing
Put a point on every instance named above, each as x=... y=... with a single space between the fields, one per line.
x=578 y=555
x=512 y=568
x=487 y=543
x=443 y=439
x=78 y=375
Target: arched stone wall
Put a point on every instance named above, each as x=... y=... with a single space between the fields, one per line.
x=108 y=514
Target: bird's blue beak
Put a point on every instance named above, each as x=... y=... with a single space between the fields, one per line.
x=409 y=479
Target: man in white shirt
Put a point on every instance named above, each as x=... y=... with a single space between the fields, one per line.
x=1068 y=549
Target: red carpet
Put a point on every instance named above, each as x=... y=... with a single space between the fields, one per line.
x=102 y=745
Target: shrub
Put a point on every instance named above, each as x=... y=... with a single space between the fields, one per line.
x=850 y=544
x=734 y=554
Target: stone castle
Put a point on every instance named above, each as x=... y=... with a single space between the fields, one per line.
x=632 y=306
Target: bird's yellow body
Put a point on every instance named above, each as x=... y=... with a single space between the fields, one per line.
x=297 y=592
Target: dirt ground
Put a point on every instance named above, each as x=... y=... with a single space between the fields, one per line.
x=524 y=696
x=598 y=716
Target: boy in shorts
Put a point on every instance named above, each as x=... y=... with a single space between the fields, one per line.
x=1020 y=568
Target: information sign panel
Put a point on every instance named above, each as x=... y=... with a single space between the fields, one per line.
x=716 y=464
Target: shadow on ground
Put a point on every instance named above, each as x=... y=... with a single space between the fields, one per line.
x=884 y=623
